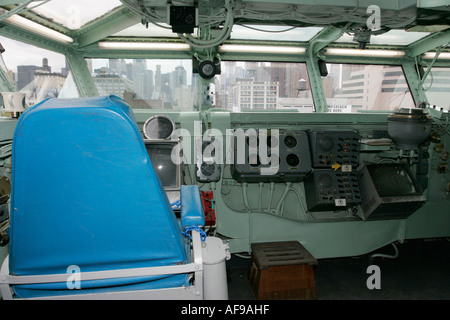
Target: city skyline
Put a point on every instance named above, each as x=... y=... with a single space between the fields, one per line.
x=34 y=55
x=117 y=76
x=166 y=65
x=287 y=88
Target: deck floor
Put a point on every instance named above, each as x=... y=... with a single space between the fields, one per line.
x=420 y=272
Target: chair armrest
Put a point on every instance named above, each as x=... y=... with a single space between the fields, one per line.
x=192 y=213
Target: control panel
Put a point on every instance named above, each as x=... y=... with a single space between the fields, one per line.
x=327 y=189
x=293 y=162
x=333 y=183
x=326 y=160
x=334 y=147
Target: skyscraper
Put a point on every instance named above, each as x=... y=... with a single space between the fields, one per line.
x=25 y=73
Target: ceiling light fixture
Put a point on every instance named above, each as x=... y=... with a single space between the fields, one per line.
x=431 y=55
x=29 y=25
x=144 y=46
x=364 y=53
x=236 y=48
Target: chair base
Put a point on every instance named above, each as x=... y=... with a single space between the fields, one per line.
x=207 y=268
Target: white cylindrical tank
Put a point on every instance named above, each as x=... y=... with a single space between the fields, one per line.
x=215 y=253
x=3 y=255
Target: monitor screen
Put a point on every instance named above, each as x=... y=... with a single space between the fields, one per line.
x=165 y=168
x=393 y=180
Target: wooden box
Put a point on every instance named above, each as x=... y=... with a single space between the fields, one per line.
x=282 y=270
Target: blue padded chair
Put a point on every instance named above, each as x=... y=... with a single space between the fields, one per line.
x=85 y=198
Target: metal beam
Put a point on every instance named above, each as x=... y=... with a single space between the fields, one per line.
x=81 y=74
x=414 y=83
x=9 y=2
x=432 y=4
x=115 y=21
x=33 y=38
x=6 y=83
x=315 y=80
x=428 y=43
x=324 y=38
x=317 y=43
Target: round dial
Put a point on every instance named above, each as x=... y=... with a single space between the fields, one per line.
x=158 y=127
x=290 y=141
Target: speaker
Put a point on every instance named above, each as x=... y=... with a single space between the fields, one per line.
x=326 y=189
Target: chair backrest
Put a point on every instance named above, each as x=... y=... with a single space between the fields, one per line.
x=84 y=193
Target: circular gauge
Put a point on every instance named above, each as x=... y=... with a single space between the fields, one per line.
x=326 y=143
x=290 y=141
x=158 y=128
x=292 y=160
x=325 y=181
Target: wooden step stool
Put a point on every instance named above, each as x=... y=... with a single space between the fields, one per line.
x=282 y=270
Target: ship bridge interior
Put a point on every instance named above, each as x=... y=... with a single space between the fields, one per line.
x=325 y=123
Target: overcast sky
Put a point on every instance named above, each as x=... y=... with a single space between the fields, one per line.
x=18 y=53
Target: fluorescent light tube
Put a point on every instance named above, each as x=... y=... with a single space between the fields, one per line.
x=37 y=28
x=442 y=55
x=237 y=48
x=144 y=46
x=364 y=53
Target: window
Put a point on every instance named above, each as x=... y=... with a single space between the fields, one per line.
x=146 y=84
x=39 y=73
x=437 y=87
x=352 y=87
x=265 y=85
x=74 y=14
x=275 y=33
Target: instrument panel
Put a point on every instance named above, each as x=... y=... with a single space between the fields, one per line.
x=285 y=158
x=326 y=162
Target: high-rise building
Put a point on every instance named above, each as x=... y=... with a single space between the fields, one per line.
x=25 y=73
x=248 y=94
x=178 y=77
x=158 y=79
x=108 y=83
x=438 y=83
x=374 y=88
x=139 y=77
x=40 y=83
x=119 y=66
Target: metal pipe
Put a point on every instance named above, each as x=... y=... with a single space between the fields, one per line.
x=286 y=190
x=244 y=193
